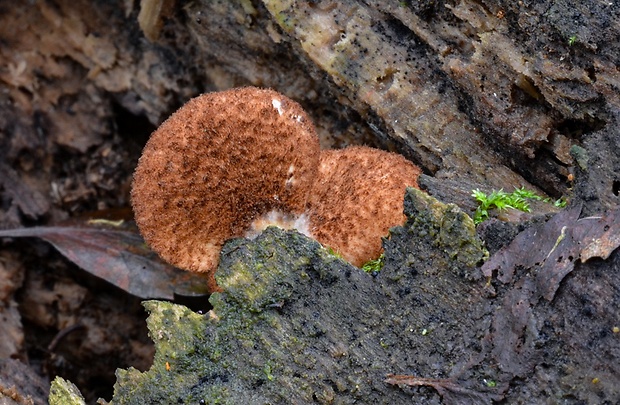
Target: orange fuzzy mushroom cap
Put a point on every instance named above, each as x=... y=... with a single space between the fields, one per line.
x=357 y=197
x=218 y=164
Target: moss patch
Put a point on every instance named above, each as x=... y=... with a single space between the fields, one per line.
x=296 y=324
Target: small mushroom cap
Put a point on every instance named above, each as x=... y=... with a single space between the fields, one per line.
x=357 y=197
x=217 y=164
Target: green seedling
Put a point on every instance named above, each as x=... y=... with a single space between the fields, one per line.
x=501 y=200
x=560 y=202
x=334 y=253
x=529 y=194
x=572 y=40
x=374 y=266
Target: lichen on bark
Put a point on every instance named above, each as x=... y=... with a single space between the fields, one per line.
x=63 y=392
x=296 y=324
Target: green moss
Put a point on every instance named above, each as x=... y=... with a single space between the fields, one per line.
x=63 y=392
x=179 y=335
x=500 y=200
x=374 y=266
x=443 y=227
x=197 y=356
x=572 y=40
x=581 y=156
x=334 y=253
x=295 y=324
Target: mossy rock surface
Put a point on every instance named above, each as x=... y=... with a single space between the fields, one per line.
x=295 y=324
x=63 y=392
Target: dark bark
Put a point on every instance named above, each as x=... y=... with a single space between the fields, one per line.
x=481 y=94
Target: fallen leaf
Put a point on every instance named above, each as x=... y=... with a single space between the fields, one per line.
x=602 y=236
x=550 y=250
x=118 y=256
x=530 y=247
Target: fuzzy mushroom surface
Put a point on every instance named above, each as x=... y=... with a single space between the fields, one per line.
x=357 y=197
x=220 y=166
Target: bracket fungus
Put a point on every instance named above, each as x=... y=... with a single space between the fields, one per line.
x=357 y=197
x=228 y=164
x=219 y=163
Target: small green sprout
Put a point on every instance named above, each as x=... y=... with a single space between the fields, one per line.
x=524 y=193
x=267 y=370
x=528 y=194
x=332 y=252
x=572 y=40
x=501 y=200
x=374 y=266
x=560 y=202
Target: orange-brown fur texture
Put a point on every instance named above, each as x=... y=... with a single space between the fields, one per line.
x=357 y=197
x=217 y=164
x=225 y=161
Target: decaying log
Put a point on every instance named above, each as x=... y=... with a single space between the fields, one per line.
x=483 y=94
x=494 y=94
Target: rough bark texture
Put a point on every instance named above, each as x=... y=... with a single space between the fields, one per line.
x=298 y=325
x=481 y=94
x=492 y=94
